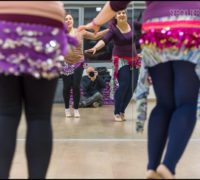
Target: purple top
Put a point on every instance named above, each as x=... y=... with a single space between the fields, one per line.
x=157 y=9
x=124 y=44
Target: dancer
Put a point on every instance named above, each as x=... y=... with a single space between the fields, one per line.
x=33 y=44
x=74 y=65
x=124 y=58
x=170 y=43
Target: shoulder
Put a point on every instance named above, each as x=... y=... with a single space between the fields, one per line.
x=112 y=30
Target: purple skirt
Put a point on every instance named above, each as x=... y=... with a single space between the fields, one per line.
x=37 y=50
x=68 y=69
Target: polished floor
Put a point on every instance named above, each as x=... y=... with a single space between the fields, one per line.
x=95 y=146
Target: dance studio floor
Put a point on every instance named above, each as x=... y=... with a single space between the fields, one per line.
x=95 y=146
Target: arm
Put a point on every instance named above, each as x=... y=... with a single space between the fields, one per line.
x=89 y=35
x=109 y=35
x=106 y=14
x=98 y=46
x=109 y=11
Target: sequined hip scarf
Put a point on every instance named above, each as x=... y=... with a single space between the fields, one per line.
x=171 y=35
x=68 y=69
x=33 y=49
x=132 y=62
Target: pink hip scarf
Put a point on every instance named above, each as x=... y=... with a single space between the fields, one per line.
x=171 y=34
x=132 y=62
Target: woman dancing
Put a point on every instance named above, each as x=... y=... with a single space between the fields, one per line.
x=74 y=65
x=124 y=58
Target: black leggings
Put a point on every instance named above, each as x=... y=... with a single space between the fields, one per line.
x=37 y=98
x=72 y=81
x=176 y=86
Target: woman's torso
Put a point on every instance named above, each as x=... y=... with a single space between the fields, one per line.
x=76 y=56
x=124 y=44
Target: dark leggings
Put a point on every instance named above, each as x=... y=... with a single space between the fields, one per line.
x=37 y=98
x=127 y=83
x=72 y=81
x=176 y=86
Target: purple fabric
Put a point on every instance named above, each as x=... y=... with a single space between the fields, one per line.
x=188 y=38
x=112 y=22
x=124 y=46
x=119 y=5
x=156 y=9
x=32 y=49
x=31 y=19
x=69 y=69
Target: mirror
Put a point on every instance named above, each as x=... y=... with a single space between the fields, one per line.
x=96 y=123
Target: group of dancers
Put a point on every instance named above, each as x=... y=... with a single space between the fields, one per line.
x=35 y=48
x=125 y=62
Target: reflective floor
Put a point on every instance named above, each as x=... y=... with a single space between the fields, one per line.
x=86 y=160
x=95 y=146
x=96 y=123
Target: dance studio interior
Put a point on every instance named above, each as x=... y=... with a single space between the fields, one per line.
x=95 y=145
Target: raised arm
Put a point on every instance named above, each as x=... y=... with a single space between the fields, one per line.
x=89 y=35
x=107 y=13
